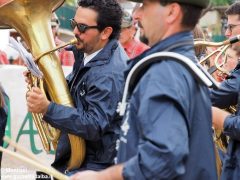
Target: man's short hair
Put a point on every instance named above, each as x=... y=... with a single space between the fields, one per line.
x=109 y=14
x=188 y=10
x=234 y=9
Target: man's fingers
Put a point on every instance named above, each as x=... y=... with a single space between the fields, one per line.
x=37 y=90
x=26 y=75
x=33 y=95
x=29 y=104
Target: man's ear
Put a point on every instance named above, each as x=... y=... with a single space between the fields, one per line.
x=106 y=33
x=174 y=13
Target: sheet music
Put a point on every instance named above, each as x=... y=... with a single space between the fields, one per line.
x=27 y=57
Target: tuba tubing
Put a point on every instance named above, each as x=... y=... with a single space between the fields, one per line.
x=31 y=19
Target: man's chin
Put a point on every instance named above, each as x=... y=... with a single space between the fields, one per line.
x=79 y=47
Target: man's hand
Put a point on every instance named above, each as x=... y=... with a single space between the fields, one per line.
x=111 y=173
x=89 y=175
x=37 y=101
x=218 y=117
x=26 y=75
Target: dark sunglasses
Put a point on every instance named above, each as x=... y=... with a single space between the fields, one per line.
x=82 y=28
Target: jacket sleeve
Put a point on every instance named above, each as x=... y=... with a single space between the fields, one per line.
x=102 y=98
x=232 y=127
x=163 y=145
x=227 y=94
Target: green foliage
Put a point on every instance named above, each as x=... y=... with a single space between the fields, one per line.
x=221 y=2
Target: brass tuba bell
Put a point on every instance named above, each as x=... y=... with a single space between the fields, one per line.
x=31 y=19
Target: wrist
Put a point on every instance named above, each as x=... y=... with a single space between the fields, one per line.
x=46 y=107
x=112 y=173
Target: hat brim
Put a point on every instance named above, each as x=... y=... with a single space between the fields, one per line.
x=137 y=1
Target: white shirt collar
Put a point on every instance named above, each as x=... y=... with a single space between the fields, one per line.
x=88 y=57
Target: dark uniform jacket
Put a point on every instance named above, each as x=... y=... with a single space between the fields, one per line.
x=96 y=89
x=227 y=95
x=166 y=133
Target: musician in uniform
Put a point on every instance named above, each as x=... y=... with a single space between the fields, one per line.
x=224 y=97
x=96 y=85
x=166 y=130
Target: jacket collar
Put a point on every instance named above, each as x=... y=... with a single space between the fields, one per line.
x=164 y=45
x=101 y=58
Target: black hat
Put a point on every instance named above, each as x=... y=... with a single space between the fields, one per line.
x=199 y=3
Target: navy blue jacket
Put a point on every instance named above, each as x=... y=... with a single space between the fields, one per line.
x=96 y=89
x=3 y=116
x=227 y=95
x=166 y=133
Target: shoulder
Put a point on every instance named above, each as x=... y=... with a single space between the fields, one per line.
x=170 y=74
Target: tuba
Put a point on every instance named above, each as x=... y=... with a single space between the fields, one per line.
x=31 y=19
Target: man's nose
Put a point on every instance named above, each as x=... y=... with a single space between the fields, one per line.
x=228 y=33
x=75 y=30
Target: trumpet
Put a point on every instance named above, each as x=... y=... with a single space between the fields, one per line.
x=217 y=44
x=222 y=47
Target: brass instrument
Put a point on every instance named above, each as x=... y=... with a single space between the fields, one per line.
x=222 y=47
x=31 y=19
x=219 y=65
x=217 y=44
x=221 y=141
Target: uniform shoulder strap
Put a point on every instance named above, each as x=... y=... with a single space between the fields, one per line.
x=141 y=66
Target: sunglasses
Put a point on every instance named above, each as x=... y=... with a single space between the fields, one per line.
x=82 y=28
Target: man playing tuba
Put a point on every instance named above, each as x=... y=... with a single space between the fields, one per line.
x=96 y=85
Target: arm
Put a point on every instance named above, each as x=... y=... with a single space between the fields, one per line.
x=232 y=126
x=163 y=144
x=227 y=94
x=112 y=173
x=90 y=123
x=229 y=123
x=218 y=117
